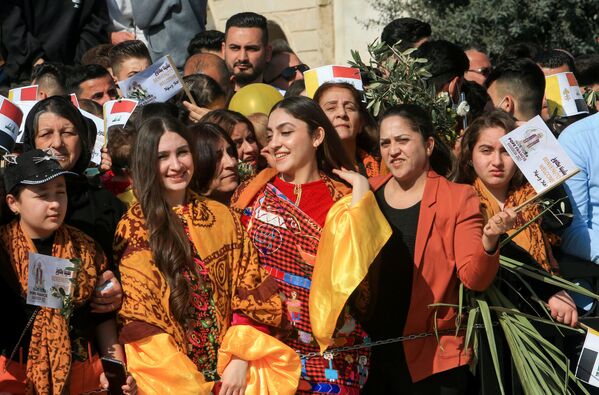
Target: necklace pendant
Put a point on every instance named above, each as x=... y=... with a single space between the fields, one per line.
x=297 y=191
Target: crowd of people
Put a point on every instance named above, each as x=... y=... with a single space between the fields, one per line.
x=220 y=252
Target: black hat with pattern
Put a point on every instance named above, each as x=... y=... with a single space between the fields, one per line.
x=33 y=167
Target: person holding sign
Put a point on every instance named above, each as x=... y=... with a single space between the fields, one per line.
x=61 y=354
x=439 y=240
x=499 y=184
x=57 y=124
x=196 y=304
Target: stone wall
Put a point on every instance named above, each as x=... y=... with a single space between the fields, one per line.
x=320 y=31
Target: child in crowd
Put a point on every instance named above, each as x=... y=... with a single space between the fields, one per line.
x=48 y=350
x=118 y=179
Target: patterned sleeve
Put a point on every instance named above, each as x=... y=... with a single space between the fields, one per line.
x=145 y=290
x=255 y=292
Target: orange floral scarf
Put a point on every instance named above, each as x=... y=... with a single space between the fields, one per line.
x=49 y=358
x=239 y=284
x=371 y=164
x=532 y=238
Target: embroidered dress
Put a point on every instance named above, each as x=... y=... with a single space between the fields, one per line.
x=204 y=331
x=287 y=240
x=163 y=356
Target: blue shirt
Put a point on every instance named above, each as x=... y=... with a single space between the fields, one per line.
x=581 y=142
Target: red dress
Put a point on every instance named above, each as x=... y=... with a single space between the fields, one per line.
x=286 y=235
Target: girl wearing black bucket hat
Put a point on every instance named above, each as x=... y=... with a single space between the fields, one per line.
x=50 y=350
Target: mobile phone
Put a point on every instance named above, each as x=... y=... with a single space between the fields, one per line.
x=105 y=286
x=116 y=373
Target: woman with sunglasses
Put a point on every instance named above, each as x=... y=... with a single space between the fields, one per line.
x=290 y=211
x=344 y=107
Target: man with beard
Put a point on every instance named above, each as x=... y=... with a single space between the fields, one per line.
x=246 y=50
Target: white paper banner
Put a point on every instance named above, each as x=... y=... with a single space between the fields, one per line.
x=157 y=83
x=47 y=273
x=538 y=155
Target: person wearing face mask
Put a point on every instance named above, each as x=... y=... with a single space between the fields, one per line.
x=518 y=87
x=55 y=123
x=217 y=157
x=342 y=103
x=302 y=217
x=447 y=64
x=241 y=131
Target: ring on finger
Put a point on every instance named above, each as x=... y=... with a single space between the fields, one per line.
x=499 y=221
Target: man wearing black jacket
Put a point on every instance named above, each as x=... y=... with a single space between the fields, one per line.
x=35 y=31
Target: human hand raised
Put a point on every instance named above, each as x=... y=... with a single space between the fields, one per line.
x=358 y=182
x=497 y=225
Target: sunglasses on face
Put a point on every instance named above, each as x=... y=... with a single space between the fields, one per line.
x=484 y=71
x=288 y=73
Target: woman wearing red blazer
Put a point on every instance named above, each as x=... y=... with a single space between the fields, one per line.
x=438 y=241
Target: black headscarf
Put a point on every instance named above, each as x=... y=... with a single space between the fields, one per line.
x=62 y=106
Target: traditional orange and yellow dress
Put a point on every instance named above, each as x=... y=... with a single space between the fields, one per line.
x=166 y=358
x=319 y=248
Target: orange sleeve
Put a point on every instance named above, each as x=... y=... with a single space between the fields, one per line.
x=476 y=268
x=274 y=367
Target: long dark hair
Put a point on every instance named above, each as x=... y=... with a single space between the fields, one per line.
x=464 y=172
x=205 y=137
x=227 y=120
x=62 y=106
x=167 y=239
x=331 y=153
x=367 y=138
x=421 y=122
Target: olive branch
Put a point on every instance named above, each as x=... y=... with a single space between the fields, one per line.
x=68 y=305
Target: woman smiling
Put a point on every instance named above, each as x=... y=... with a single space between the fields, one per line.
x=217 y=157
x=194 y=293
x=288 y=211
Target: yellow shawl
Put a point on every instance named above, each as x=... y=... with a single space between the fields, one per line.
x=532 y=239
x=351 y=239
x=49 y=358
